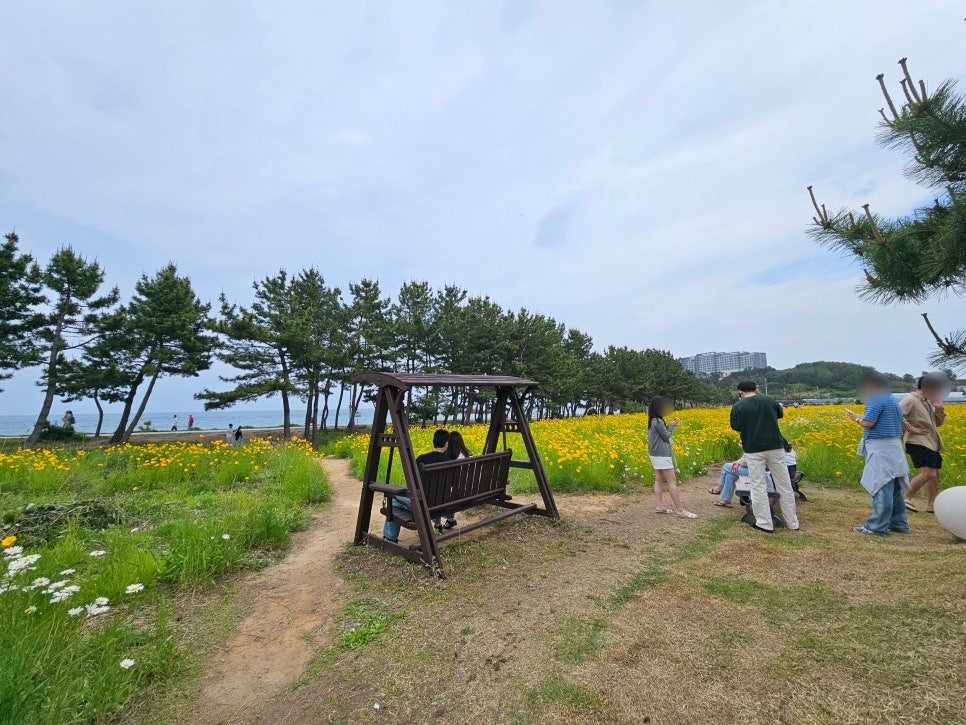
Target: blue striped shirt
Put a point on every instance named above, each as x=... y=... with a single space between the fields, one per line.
x=884 y=411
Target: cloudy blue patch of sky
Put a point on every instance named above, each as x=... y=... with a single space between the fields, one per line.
x=635 y=169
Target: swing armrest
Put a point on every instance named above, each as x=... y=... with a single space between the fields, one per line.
x=388 y=489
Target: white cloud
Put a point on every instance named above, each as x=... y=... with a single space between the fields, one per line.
x=352 y=138
x=637 y=171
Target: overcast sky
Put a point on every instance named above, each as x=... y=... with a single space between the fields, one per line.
x=635 y=169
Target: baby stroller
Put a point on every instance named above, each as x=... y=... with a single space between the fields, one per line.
x=743 y=489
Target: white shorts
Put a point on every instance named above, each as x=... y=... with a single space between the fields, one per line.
x=662 y=463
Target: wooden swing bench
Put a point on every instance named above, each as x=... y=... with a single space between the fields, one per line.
x=456 y=486
x=443 y=489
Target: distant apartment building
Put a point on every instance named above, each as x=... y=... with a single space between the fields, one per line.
x=706 y=363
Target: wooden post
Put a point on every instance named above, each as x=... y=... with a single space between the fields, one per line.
x=372 y=468
x=417 y=497
x=549 y=504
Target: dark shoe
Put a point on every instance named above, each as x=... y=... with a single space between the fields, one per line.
x=763 y=530
x=450 y=524
x=868 y=532
x=386 y=538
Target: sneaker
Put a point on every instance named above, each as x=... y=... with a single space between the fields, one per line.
x=762 y=529
x=394 y=541
x=868 y=532
x=450 y=524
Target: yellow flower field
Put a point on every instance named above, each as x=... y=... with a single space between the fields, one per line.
x=609 y=452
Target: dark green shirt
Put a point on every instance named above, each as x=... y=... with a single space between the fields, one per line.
x=756 y=419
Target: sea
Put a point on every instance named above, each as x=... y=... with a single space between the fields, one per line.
x=21 y=425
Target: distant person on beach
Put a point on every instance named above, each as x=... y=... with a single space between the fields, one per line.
x=191 y=422
x=239 y=438
x=755 y=418
x=174 y=423
x=923 y=413
x=886 y=472
x=69 y=419
x=660 y=448
x=230 y=435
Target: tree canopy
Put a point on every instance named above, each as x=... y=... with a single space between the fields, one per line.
x=923 y=254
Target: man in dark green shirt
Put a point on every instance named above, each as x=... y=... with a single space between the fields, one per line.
x=755 y=417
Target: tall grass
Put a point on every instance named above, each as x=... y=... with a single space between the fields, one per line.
x=133 y=525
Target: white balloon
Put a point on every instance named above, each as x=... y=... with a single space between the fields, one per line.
x=950 y=510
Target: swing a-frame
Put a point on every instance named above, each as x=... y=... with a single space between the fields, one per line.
x=452 y=486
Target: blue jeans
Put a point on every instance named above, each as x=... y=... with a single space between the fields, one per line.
x=888 y=510
x=390 y=529
x=728 y=481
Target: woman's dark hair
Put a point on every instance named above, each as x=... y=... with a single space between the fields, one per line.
x=657 y=407
x=457 y=446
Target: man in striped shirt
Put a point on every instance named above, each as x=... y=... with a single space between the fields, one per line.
x=886 y=472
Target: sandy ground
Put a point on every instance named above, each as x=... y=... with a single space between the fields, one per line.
x=291 y=605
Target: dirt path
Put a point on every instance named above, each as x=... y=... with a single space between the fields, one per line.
x=292 y=605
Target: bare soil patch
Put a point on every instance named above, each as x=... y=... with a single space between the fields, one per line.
x=291 y=606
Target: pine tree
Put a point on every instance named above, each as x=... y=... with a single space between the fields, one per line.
x=370 y=337
x=922 y=255
x=166 y=332
x=259 y=342
x=20 y=296
x=70 y=322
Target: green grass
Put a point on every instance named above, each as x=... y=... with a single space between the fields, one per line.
x=170 y=518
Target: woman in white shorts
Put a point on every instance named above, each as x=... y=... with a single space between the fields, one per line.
x=660 y=448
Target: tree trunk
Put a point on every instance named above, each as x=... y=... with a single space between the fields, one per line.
x=286 y=405
x=338 y=406
x=55 y=347
x=100 y=415
x=118 y=436
x=286 y=415
x=141 y=407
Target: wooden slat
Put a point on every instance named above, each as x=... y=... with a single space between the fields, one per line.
x=388 y=488
x=519 y=463
x=518 y=509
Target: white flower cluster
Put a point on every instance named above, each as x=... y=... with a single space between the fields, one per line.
x=21 y=563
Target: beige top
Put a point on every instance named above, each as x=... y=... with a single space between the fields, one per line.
x=919 y=414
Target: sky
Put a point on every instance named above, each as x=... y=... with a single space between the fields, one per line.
x=636 y=170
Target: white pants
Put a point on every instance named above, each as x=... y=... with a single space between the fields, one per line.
x=775 y=461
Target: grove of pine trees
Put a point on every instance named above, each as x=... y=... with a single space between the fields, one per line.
x=303 y=340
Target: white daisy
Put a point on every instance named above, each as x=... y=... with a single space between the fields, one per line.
x=58 y=585
x=98 y=552
x=12 y=551
x=93 y=610
x=72 y=588
x=226 y=536
x=101 y=601
x=127 y=664
x=39 y=582
x=75 y=611
x=134 y=588
x=30 y=610
x=59 y=597
x=68 y=572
